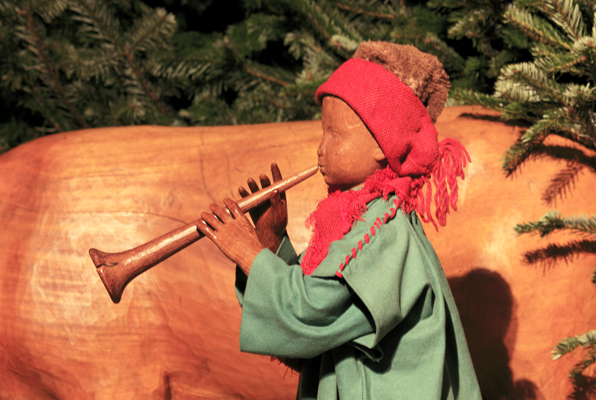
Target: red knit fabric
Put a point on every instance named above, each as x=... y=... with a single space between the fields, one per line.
x=336 y=214
x=405 y=132
x=391 y=111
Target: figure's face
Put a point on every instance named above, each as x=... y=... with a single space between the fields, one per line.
x=348 y=153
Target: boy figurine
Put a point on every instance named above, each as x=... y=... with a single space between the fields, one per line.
x=366 y=312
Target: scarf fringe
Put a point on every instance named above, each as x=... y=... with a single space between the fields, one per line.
x=453 y=158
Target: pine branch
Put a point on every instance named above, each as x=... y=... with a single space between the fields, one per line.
x=208 y=110
x=381 y=11
x=569 y=344
x=317 y=64
x=584 y=387
x=517 y=154
x=345 y=43
x=192 y=64
x=578 y=126
x=253 y=69
x=445 y=53
x=560 y=63
x=251 y=36
x=561 y=122
x=498 y=61
x=476 y=98
x=444 y=4
x=526 y=77
x=552 y=221
x=344 y=26
x=553 y=120
x=48 y=9
x=568 y=16
x=151 y=32
x=140 y=78
x=88 y=64
x=299 y=42
x=320 y=21
x=54 y=81
x=97 y=21
x=520 y=102
x=541 y=50
x=587 y=46
x=468 y=24
x=536 y=28
x=531 y=4
x=44 y=110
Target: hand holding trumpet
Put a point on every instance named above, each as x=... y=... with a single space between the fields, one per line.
x=116 y=270
x=271 y=217
x=229 y=229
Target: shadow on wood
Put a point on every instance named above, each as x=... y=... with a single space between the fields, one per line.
x=486 y=307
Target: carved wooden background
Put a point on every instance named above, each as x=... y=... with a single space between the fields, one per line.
x=175 y=333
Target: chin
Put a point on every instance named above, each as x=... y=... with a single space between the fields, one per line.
x=330 y=184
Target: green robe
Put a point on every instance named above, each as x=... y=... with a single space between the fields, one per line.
x=384 y=326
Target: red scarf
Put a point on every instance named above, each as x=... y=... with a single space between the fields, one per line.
x=336 y=214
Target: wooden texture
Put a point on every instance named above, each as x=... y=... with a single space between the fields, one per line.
x=175 y=332
x=116 y=270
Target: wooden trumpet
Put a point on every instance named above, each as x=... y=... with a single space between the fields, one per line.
x=116 y=270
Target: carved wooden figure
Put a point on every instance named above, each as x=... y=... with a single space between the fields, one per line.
x=366 y=311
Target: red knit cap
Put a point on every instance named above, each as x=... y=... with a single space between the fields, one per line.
x=405 y=132
x=391 y=111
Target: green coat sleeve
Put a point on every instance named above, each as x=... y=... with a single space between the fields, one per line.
x=288 y=314
x=286 y=252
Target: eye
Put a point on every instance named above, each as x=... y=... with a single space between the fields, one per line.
x=330 y=132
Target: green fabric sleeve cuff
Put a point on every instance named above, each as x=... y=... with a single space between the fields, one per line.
x=285 y=251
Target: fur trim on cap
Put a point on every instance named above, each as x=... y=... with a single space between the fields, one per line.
x=421 y=72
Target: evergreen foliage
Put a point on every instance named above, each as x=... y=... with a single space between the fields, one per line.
x=553 y=221
x=497 y=43
x=73 y=64
x=553 y=94
x=583 y=385
x=70 y=65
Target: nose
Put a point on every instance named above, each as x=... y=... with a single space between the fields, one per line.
x=321 y=148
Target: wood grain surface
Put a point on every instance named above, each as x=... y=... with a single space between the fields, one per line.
x=175 y=332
